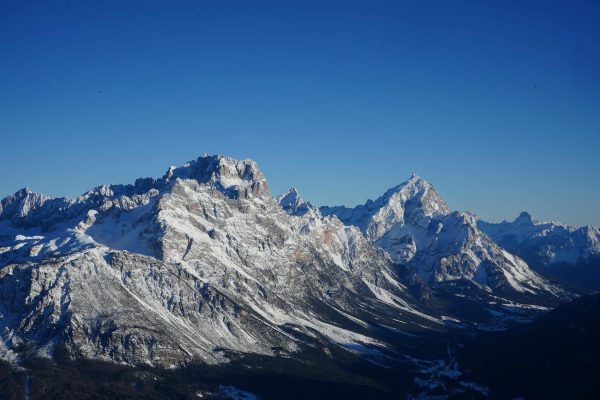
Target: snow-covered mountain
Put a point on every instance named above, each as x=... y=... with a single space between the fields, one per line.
x=545 y=243
x=415 y=226
x=199 y=265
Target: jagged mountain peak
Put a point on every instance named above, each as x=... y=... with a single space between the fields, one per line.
x=416 y=193
x=294 y=204
x=291 y=198
x=412 y=200
x=24 y=191
x=526 y=218
x=21 y=203
x=293 y=191
x=20 y=194
x=416 y=180
x=235 y=178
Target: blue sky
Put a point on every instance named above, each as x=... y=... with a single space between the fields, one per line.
x=497 y=103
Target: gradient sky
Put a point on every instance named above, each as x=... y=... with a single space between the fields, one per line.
x=497 y=103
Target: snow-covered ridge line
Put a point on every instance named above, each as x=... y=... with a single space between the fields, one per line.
x=231 y=177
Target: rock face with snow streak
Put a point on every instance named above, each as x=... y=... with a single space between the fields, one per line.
x=545 y=243
x=415 y=226
x=198 y=265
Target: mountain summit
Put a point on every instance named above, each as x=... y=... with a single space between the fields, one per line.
x=232 y=177
x=408 y=202
x=295 y=205
x=416 y=227
x=546 y=244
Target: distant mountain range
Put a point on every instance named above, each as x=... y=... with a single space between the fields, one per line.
x=569 y=255
x=203 y=266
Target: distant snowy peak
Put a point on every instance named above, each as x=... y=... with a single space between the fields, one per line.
x=417 y=197
x=21 y=203
x=295 y=205
x=525 y=218
x=545 y=243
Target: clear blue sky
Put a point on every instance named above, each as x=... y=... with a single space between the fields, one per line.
x=497 y=103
